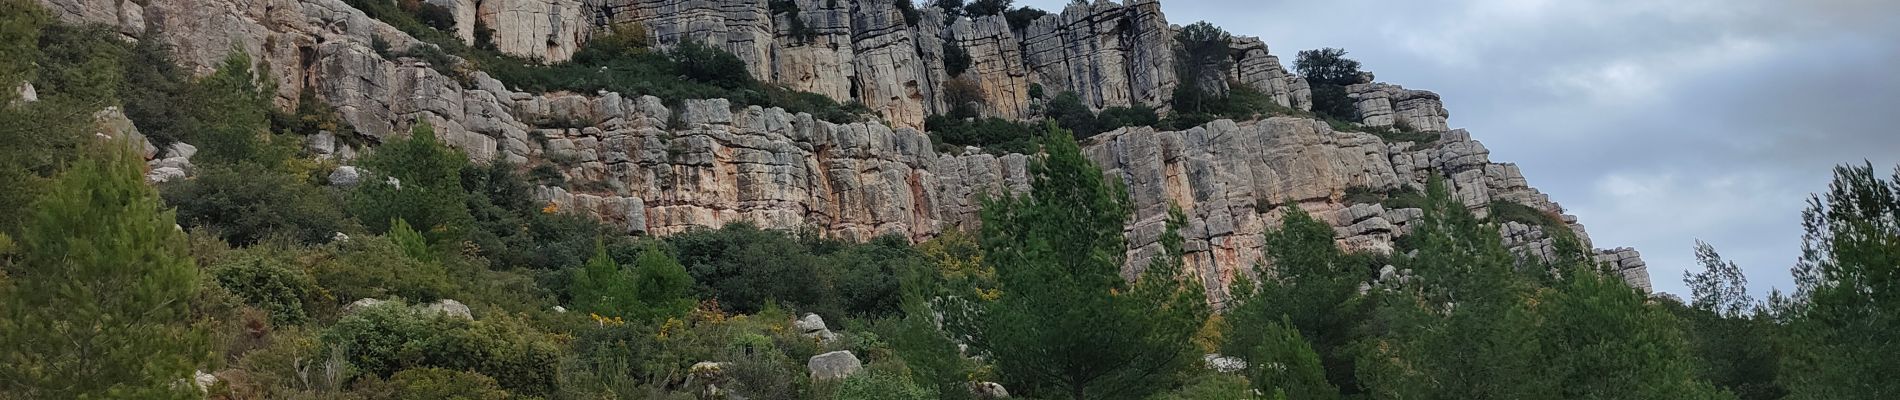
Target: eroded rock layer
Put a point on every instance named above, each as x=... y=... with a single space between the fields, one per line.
x=652 y=168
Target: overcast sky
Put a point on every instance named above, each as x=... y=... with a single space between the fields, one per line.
x=1657 y=122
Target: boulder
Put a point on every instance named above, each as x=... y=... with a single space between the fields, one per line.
x=27 y=94
x=1224 y=364
x=345 y=177
x=451 y=308
x=835 y=365
x=361 y=304
x=988 y=390
x=812 y=326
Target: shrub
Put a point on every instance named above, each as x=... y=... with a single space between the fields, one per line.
x=230 y=119
x=1328 y=71
x=1328 y=66
x=435 y=16
x=384 y=339
x=909 y=10
x=799 y=29
x=269 y=284
x=80 y=63
x=883 y=385
x=710 y=65
x=430 y=384
x=868 y=280
x=427 y=191
x=994 y=135
x=1507 y=211
x=984 y=8
x=661 y=284
x=246 y=205
x=376 y=267
x=601 y=287
x=1201 y=62
x=1211 y=386
x=1021 y=17
x=154 y=92
x=956 y=60
x=294 y=362
x=1330 y=101
x=743 y=267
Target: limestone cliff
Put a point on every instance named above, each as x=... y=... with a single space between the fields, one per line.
x=654 y=169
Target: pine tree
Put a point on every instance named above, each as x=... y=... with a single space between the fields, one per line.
x=601 y=287
x=231 y=118
x=420 y=181
x=1603 y=340
x=1285 y=363
x=1461 y=330
x=1068 y=324
x=660 y=284
x=1846 y=323
x=1311 y=288
x=99 y=291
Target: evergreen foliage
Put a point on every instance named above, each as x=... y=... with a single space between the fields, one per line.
x=250 y=206
x=1068 y=324
x=96 y=302
x=1848 y=299
x=419 y=180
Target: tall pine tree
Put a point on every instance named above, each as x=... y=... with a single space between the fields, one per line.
x=98 y=294
x=1068 y=324
x=1847 y=319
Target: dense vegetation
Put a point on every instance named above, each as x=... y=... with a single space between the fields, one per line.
x=103 y=295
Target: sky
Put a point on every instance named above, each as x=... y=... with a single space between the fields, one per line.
x=1657 y=123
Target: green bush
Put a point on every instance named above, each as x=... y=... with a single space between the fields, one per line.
x=376 y=267
x=81 y=63
x=878 y=384
x=427 y=191
x=384 y=339
x=432 y=384
x=955 y=59
x=994 y=135
x=868 y=280
x=1508 y=211
x=1217 y=387
x=1021 y=17
x=230 y=119
x=743 y=267
x=246 y=205
x=270 y=284
x=154 y=92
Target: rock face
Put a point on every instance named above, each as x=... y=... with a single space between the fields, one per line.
x=547 y=30
x=658 y=169
x=1382 y=104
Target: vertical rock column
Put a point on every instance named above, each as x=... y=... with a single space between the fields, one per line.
x=890 y=75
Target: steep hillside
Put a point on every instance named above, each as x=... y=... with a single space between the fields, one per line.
x=662 y=166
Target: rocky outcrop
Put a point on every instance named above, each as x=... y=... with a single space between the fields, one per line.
x=1382 y=104
x=658 y=169
x=1110 y=54
x=996 y=64
x=1254 y=66
x=547 y=30
x=1627 y=262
